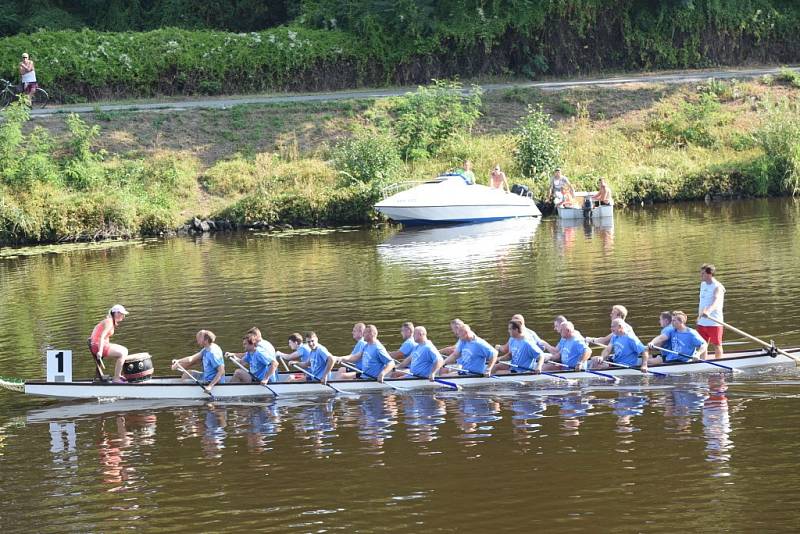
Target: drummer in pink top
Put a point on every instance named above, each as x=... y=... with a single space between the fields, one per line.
x=100 y=342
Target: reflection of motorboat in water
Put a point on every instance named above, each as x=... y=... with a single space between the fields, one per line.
x=586 y=208
x=466 y=244
x=449 y=198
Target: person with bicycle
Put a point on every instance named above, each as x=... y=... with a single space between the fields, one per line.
x=27 y=75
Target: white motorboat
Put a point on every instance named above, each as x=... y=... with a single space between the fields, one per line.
x=451 y=198
x=586 y=208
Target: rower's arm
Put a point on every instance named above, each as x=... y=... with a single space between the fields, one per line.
x=606 y=351
x=352 y=358
x=405 y=363
x=492 y=363
x=271 y=371
x=658 y=341
x=217 y=377
x=504 y=357
x=502 y=349
x=601 y=340
x=386 y=369
x=328 y=367
x=437 y=365
x=289 y=357
x=188 y=361
x=585 y=358
x=451 y=359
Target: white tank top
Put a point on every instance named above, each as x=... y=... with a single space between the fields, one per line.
x=706 y=298
x=29 y=77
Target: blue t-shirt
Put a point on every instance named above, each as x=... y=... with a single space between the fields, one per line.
x=260 y=362
x=374 y=359
x=423 y=358
x=358 y=348
x=667 y=331
x=523 y=352
x=319 y=360
x=535 y=339
x=685 y=342
x=304 y=352
x=212 y=359
x=627 y=349
x=407 y=347
x=572 y=349
x=474 y=354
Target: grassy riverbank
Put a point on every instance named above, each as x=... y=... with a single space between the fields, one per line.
x=126 y=173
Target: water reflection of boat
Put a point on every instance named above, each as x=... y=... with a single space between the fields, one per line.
x=460 y=246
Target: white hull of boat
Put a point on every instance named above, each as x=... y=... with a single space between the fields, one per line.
x=598 y=212
x=173 y=388
x=449 y=199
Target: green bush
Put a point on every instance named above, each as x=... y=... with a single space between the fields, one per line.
x=780 y=140
x=367 y=158
x=538 y=144
x=426 y=119
x=690 y=123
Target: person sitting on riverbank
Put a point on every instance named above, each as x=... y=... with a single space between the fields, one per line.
x=209 y=357
x=407 y=331
x=320 y=361
x=686 y=342
x=100 y=340
x=497 y=180
x=455 y=326
x=263 y=364
x=603 y=195
x=623 y=348
x=472 y=354
x=572 y=350
x=424 y=361
x=520 y=350
x=375 y=361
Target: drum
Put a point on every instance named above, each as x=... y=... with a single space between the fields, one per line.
x=138 y=367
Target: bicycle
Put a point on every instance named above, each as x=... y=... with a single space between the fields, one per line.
x=11 y=93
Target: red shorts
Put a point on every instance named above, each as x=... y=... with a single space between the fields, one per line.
x=95 y=348
x=712 y=334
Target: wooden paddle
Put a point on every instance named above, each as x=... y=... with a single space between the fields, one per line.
x=754 y=338
x=696 y=359
x=334 y=388
x=357 y=370
x=190 y=375
x=451 y=385
x=615 y=364
x=254 y=377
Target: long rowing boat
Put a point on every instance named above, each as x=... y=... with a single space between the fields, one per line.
x=175 y=388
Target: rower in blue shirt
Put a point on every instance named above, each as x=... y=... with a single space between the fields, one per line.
x=472 y=354
x=374 y=358
x=263 y=365
x=210 y=356
x=685 y=341
x=522 y=354
x=424 y=360
x=623 y=348
x=300 y=350
x=664 y=338
x=407 y=331
x=572 y=350
x=320 y=360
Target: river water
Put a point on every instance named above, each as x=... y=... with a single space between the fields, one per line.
x=707 y=452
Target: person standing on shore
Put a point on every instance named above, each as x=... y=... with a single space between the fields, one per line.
x=712 y=299
x=498 y=180
x=27 y=74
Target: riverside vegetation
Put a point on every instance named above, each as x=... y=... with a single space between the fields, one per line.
x=68 y=179
x=86 y=50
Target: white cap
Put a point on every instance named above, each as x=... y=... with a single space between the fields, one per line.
x=118 y=308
